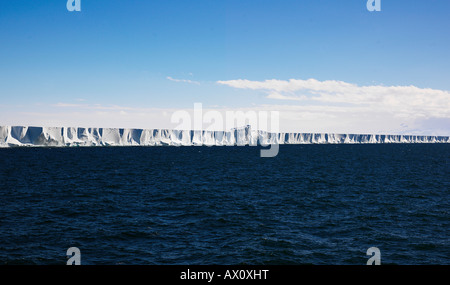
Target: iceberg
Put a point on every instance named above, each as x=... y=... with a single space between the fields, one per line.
x=14 y=136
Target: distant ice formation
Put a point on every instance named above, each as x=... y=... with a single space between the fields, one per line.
x=11 y=136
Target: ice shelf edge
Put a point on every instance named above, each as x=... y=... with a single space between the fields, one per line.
x=11 y=136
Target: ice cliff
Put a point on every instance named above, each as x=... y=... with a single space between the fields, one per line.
x=11 y=136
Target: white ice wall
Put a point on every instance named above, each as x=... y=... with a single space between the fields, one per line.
x=62 y=136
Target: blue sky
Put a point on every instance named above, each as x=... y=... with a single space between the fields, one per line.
x=152 y=57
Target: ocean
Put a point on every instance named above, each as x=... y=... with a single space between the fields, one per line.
x=311 y=204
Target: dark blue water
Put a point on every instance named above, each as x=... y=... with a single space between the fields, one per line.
x=312 y=204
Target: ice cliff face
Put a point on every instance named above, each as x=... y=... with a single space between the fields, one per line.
x=62 y=136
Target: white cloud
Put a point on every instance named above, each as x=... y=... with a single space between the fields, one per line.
x=293 y=118
x=70 y=105
x=92 y=106
x=183 y=80
x=407 y=101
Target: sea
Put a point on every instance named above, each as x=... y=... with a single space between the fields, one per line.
x=222 y=205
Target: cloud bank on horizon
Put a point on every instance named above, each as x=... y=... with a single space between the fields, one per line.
x=328 y=106
x=331 y=105
x=406 y=101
